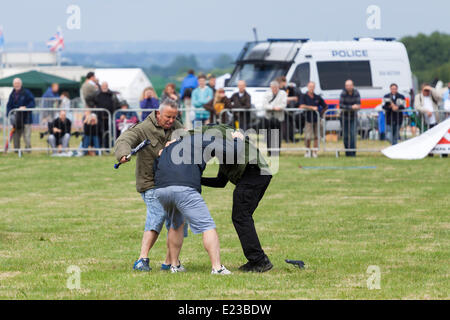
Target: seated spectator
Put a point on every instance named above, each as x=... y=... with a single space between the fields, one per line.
x=149 y=100
x=125 y=118
x=91 y=131
x=170 y=93
x=241 y=100
x=216 y=105
x=59 y=131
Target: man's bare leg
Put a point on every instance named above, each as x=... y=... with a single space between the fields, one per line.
x=175 y=242
x=212 y=246
x=148 y=240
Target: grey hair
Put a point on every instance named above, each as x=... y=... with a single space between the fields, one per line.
x=168 y=103
x=275 y=84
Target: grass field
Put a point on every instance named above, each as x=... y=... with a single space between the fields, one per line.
x=58 y=212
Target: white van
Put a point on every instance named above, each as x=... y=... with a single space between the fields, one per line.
x=372 y=63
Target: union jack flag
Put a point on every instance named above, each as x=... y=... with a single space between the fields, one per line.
x=56 y=43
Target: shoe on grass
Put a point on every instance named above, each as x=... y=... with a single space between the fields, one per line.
x=221 y=271
x=142 y=264
x=165 y=267
x=246 y=267
x=263 y=266
x=176 y=269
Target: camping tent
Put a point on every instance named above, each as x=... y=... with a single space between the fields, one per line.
x=37 y=82
x=129 y=82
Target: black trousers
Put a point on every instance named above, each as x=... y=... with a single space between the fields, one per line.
x=249 y=191
x=273 y=124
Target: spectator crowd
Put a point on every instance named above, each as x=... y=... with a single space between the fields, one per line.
x=208 y=104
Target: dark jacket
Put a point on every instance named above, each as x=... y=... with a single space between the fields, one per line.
x=65 y=126
x=346 y=102
x=394 y=117
x=23 y=98
x=106 y=100
x=176 y=168
x=244 y=102
x=317 y=101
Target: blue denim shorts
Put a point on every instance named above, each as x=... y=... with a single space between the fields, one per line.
x=156 y=215
x=186 y=203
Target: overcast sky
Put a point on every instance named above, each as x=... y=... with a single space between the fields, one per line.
x=209 y=20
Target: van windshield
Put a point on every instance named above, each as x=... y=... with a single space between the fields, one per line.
x=257 y=74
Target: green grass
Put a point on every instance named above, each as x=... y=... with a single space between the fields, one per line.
x=57 y=212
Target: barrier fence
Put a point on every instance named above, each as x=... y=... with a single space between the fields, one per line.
x=86 y=131
x=289 y=130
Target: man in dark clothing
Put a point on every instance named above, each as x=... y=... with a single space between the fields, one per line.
x=178 y=172
x=59 y=131
x=251 y=176
x=314 y=107
x=242 y=100
x=22 y=99
x=105 y=99
x=393 y=102
x=349 y=103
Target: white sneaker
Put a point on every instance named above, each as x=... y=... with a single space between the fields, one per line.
x=314 y=155
x=221 y=271
x=308 y=154
x=180 y=268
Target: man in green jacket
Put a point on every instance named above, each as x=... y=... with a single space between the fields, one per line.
x=252 y=176
x=158 y=128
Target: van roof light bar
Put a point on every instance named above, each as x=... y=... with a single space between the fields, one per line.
x=288 y=39
x=375 y=38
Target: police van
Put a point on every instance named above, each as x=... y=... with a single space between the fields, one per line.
x=372 y=63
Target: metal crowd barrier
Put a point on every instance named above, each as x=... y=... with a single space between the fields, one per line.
x=371 y=131
x=285 y=135
x=90 y=132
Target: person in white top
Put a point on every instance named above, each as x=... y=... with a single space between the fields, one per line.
x=427 y=103
x=275 y=102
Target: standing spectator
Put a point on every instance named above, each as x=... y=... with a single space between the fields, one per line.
x=201 y=96
x=241 y=100
x=189 y=83
x=350 y=103
x=427 y=103
x=59 y=131
x=275 y=101
x=314 y=105
x=89 y=89
x=125 y=118
x=90 y=132
x=50 y=96
x=105 y=99
x=393 y=103
x=212 y=83
x=170 y=93
x=216 y=105
x=149 y=100
x=22 y=99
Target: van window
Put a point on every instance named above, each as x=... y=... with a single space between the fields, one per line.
x=301 y=75
x=257 y=74
x=333 y=74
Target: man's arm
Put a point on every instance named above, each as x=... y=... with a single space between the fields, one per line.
x=218 y=182
x=30 y=98
x=126 y=141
